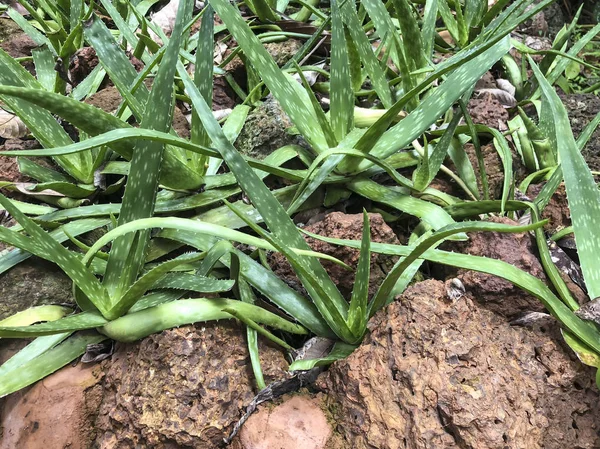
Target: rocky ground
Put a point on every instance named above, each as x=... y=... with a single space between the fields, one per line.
x=437 y=370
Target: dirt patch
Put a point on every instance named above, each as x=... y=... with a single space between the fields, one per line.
x=9 y=168
x=181 y=388
x=298 y=422
x=57 y=412
x=435 y=373
x=223 y=95
x=343 y=226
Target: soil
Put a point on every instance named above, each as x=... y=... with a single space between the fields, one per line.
x=81 y=64
x=9 y=168
x=19 y=45
x=438 y=373
x=557 y=211
x=343 y=226
x=109 y=99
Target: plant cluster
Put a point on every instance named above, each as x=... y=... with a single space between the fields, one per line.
x=412 y=88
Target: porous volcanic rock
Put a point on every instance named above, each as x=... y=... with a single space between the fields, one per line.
x=343 y=226
x=436 y=373
x=493 y=292
x=267 y=128
x=182 y=388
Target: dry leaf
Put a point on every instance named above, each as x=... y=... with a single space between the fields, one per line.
x=11 y=126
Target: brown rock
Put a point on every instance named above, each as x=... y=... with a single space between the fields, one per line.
x=57 y=412
x=440 y=374
x=343 y=226
x=493 y=292
x=182 y=388
x=557 y=211
x=297 y=423
x=488 y=111
x=82 y=63
x=494 y=169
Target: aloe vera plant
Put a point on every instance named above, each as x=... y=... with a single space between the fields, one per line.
x=136 y=288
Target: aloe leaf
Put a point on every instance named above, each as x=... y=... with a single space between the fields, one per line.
x=315 y=177
x=562 y=63
x=270 y=209
x=365 y=51
x=383 y=23
x=203 y=78
x=585 y=355
x=411 y=35
x=44 y=67
x=46 y=363
x=244 y=293
x=135 y=326
x=335 y=315
x=412 y=126
x=31 y=209
x=357 y=312
x=342 y=97
x=430 y=213
x=94 y=122
x=74 y=228
x=184 y=224
x=41 y=123
x=285 y=89
x=264 y=280
x=36 y=314
x=147 y=281
x=474 y=11
x=424 y=174
x=39 y=172
x=339 y=351
x=44 y=246
x=193 y=283
x=582 y=191
x=32 y=350
x=463 y=165
x=585 y=331
x=139 y=199
x=384 y=292
x=80 y=321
